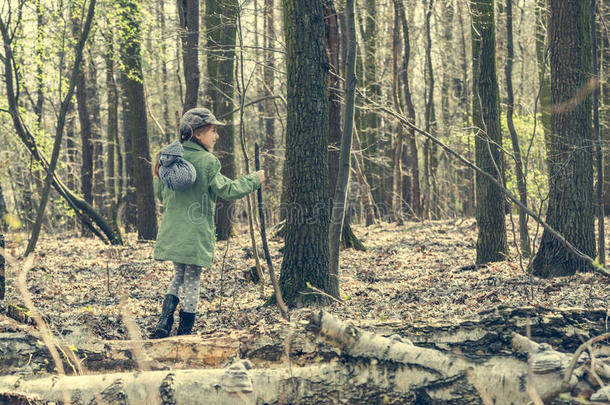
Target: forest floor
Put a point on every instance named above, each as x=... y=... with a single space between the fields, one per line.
x=416 y=272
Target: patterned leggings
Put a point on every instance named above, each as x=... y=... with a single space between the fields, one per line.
x=187 y=276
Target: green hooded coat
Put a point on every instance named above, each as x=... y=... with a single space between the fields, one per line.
x=187 y=234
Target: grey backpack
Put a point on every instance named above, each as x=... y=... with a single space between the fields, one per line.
x=175 y=172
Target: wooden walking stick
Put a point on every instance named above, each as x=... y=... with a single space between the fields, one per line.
x=261 y=213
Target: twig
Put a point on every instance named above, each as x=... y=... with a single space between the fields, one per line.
x=278 y=293
x=222 y=268
x=258 y=100
x=320 y=292
x=565 y=385
x=605 y=388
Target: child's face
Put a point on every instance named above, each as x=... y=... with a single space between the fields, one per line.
x=208 y=137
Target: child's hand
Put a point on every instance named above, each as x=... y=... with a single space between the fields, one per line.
x=261 y=175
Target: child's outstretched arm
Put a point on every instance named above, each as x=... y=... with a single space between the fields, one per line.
x=234 y=189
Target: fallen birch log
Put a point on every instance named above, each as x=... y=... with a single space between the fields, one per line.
x=501 y=380
x=358 y=366
x=359 y=382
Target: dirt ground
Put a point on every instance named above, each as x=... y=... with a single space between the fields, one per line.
x=412 y=272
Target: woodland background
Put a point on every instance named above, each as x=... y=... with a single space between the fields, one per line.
x=92 y=90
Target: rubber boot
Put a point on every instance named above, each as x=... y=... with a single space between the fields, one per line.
x=166 y=320
x=187 y=319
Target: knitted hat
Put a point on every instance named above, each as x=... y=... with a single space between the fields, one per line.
x=177 y=173
x=196 y=118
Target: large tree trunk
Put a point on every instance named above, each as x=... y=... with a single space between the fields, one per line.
x=132 y=61
x=570 y=206
x=221 y=36
x=306 y=252
x=188 y=11
x=491 y=241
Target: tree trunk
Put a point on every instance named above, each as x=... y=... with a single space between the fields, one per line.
x=570 y=205
x=334 y=94
x=2 y=263
x=491 y=241
x=39 y=62
x=599 y=200
x=604 y=35
x=334 y=112
x=169 y=132
x=132 y=61
x=467 y=176
x=510 y=107
x=112 y=134
x=410 y=114
x=544 y=78
x=269 y=163
x=128 y=189
x=221 y=36
x=84 y=118
x=71 y=155
x=306 y=260
x=96 y=139
x=71 y=150
x=3 y=211
x=365 y=188
x=188 y=11
x=447 y=197
x=342 y=172
x=430 y=149
x=370 y=132
x=398 y=140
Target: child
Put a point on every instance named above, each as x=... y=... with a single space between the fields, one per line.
x=187 y=234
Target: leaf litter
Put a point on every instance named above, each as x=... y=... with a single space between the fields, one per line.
x=415 y=272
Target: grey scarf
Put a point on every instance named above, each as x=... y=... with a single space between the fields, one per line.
x=175 y=172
